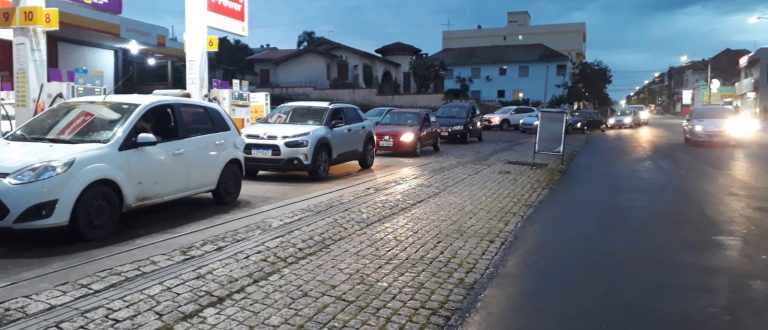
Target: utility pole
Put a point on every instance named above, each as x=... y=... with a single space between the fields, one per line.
x=448 y=25
x=709 y=79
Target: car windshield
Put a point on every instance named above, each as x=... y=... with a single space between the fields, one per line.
x=712 y=113
x=453 y=111
x=297 y=115
x=376 y=112
x=401 y=119
x=624 y=112
x=504 y=111
x=76 y=122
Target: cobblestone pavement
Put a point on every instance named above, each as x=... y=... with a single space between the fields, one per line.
x=404 y=254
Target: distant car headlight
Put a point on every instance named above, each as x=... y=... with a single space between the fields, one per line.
x=407 y=137
x=39 y=171
x=457 y=128
x=611 y=121
x=645 y=115
x=297 y=144
x=627 y=120
x=742 y=127
x=698 y=128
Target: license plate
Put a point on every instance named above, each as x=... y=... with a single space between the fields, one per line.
x=386 y=143
x=444 y=133
x=261 y=152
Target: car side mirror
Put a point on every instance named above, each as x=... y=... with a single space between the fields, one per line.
x=146 y=140
x=337 y=123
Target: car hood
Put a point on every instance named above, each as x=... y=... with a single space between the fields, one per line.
x=619 y=118
x=17 y=155
x=493 y=115
x=451 y=122
x=530 y=120
x=394 y=130
x=278 y=130
x=711 y=125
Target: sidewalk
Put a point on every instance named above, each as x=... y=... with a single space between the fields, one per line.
x=406 y=253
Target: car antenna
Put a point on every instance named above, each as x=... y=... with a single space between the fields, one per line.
x=118 y=84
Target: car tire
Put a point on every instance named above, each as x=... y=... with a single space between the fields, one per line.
x=321 y=164
x=480 y=138
x=504 y=125
x=96 y=213
x=229 y=185
x=568 y=129
x=686 y=140
x=416 y=150
x=465 y=138
x=251 y=173
x=436 y=145
x=369 y=155
x=523 y=131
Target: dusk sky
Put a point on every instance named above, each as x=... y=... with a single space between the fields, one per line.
x=635 y=38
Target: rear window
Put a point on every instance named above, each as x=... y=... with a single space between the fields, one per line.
x=376 y=112
x=219 y=123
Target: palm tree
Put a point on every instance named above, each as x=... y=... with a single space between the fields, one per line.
x=306 y=39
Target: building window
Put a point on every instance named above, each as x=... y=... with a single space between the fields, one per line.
x=475 y=95
x=518 y=94
x=501 y=94
x=449 y=74
x=502 y=71
x=523 y=71
x=476 y=73
x=561 y=69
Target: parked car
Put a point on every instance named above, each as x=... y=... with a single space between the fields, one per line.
x=643 y=112
x=586 y=120
x=529 y=123
x=626 y=117
x=376 y=114
x=506 y=117
x=718 y=124
x=460 y=122
x=81 y=163
x=408 y=131
x=309 y=136
x=7 y=119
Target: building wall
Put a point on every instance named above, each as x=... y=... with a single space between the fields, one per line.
x=540 y=85
x=569 y=38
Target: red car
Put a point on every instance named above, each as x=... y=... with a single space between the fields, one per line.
x=407 y=131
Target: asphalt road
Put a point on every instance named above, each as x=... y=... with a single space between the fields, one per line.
x=31 y=254
x=642 y=232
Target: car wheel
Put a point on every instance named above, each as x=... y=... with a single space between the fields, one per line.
x=568 y=129
x=686 y=140
x=96 y=213
x=504 y=125
x=230 y=183
x=465 y=138
x=368 y=156
x=321 y=164
x=480 y=138
x=251 y=173
x=523 y=131
x=417 y=150
x=436 y=145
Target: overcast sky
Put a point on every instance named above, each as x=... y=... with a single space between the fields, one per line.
x=635 y=38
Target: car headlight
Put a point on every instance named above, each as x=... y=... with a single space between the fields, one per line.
x=627 y=120
x=297 y=135
x=536 y=123
x=457 y=128
x=742 y=127
x=39 y=171
x=407 y=137
x=698 y=128
x=297 y=144
x=611 y=121
x=578 y=125
x=521 y=122
x=645 y=115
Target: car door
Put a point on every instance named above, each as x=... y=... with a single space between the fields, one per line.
x=425 y=130
x=159 y=171
x=340 y=136
x=206 y=144
x=358 y=126
x=519 y=113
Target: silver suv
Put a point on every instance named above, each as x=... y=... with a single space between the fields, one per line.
x=309 y=136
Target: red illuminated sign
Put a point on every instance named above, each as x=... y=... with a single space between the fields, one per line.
x=234 y=9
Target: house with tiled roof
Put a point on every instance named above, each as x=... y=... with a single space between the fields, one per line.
x=506 y=72
x=330 y=64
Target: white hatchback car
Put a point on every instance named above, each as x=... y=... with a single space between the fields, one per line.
x=83 y=162
x=507 y=117
x=309 y=136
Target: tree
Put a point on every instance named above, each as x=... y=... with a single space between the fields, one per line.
x=306 y=39
x=461 y=93
x=589 y=83
x=232 y=58
x=426 y=72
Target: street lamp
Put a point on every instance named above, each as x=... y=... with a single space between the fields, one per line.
x=684 y=58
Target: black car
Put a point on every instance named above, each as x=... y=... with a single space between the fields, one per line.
x=585 y=120
x=460 y=122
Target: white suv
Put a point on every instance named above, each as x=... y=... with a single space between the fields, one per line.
x=309 y=136
x=83 y=162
